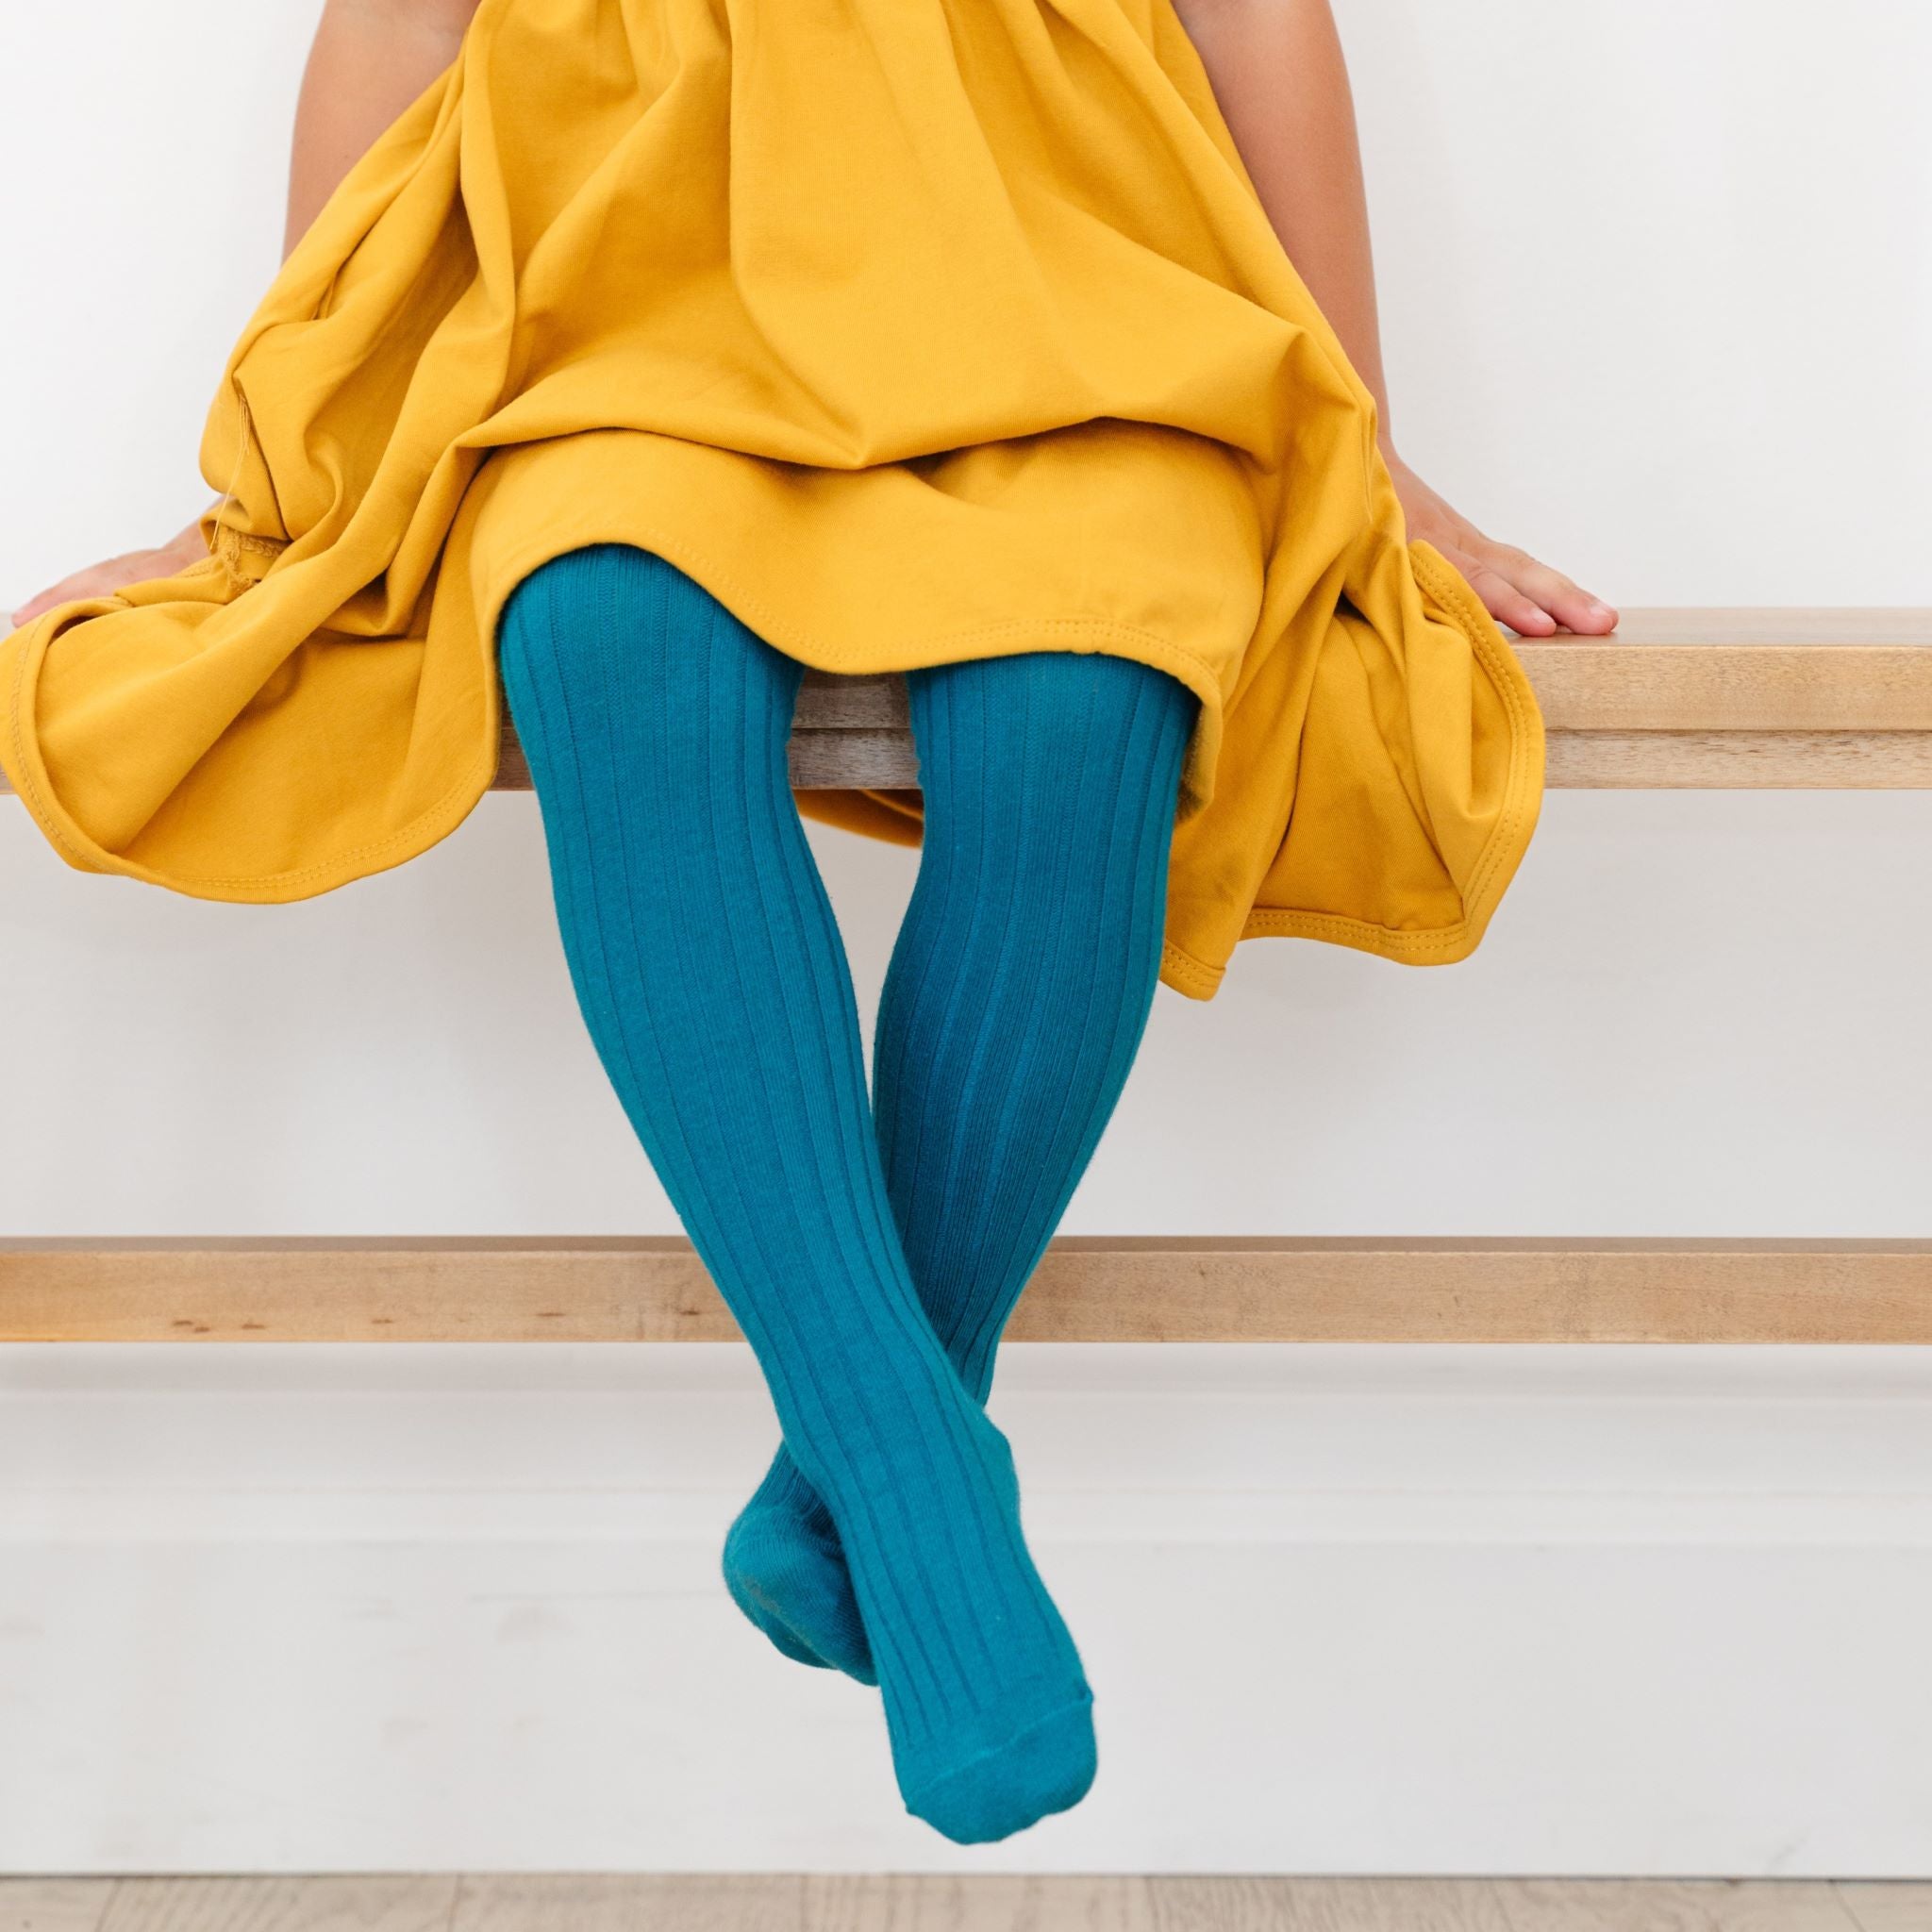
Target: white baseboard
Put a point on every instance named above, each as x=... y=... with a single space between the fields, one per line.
x=1344 y=1609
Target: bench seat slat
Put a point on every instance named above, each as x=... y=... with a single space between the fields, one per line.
x=1706 y=699
x=1728 y=699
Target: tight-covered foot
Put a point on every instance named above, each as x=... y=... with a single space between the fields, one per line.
x=786 y=1571
x=1035 y=1756
x=987 y=1705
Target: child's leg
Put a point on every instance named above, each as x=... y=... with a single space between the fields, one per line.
x=1016 y=998
x=711 y=973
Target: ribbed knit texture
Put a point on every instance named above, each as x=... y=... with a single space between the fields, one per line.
x=711 y=975
x=1016 y=998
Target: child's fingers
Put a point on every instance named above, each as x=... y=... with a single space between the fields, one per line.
x=1567 y=602
x=1503 y=600
x=1518 y=589
x=82 y=583
x=104 y=579
x=1531 y=597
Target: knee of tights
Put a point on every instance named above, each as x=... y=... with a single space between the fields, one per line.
x=1046 y=714
x=628 y=609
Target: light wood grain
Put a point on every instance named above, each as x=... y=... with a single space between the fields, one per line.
x=1089 y=1288
x=662 y=1902
x=1568 y=1905
x=1887 y=1908
x=1326 y=1905
x=990 y=1904
x=790 y=1902
x=1712 y=699
x=53 y=1904
x=1737 y=761
x=358 y=1903
x=1764 y=624
x=1719 y=698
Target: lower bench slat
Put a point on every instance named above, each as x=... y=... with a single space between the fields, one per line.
x=1089 y=1288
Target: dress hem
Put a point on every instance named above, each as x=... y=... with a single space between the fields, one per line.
x=1185 y=971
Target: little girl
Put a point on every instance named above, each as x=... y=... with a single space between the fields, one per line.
x=956 y=338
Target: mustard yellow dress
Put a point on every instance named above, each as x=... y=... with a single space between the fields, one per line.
x=914 y=330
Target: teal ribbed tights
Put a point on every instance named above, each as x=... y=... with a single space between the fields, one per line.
x=870 y=1250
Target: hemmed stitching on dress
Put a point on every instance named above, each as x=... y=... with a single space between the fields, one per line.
x=1506 y=844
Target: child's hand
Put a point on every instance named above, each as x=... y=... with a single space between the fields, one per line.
x=1530 y=597
x=104 y=579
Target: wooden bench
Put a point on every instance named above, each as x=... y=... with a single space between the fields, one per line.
x=1678 y=699
x=1704 y=699
x=1148 y=1287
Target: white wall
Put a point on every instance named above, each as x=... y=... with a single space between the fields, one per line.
x=1658 y=283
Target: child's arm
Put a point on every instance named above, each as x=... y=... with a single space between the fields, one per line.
x=370 y=60
x=1278 y=76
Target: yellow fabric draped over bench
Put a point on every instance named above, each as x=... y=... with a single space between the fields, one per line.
x=914 y=330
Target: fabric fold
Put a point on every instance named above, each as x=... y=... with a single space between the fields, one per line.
x=913 y=330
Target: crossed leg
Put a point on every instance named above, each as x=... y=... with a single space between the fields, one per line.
x=1016 y=997
x=715 y=987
